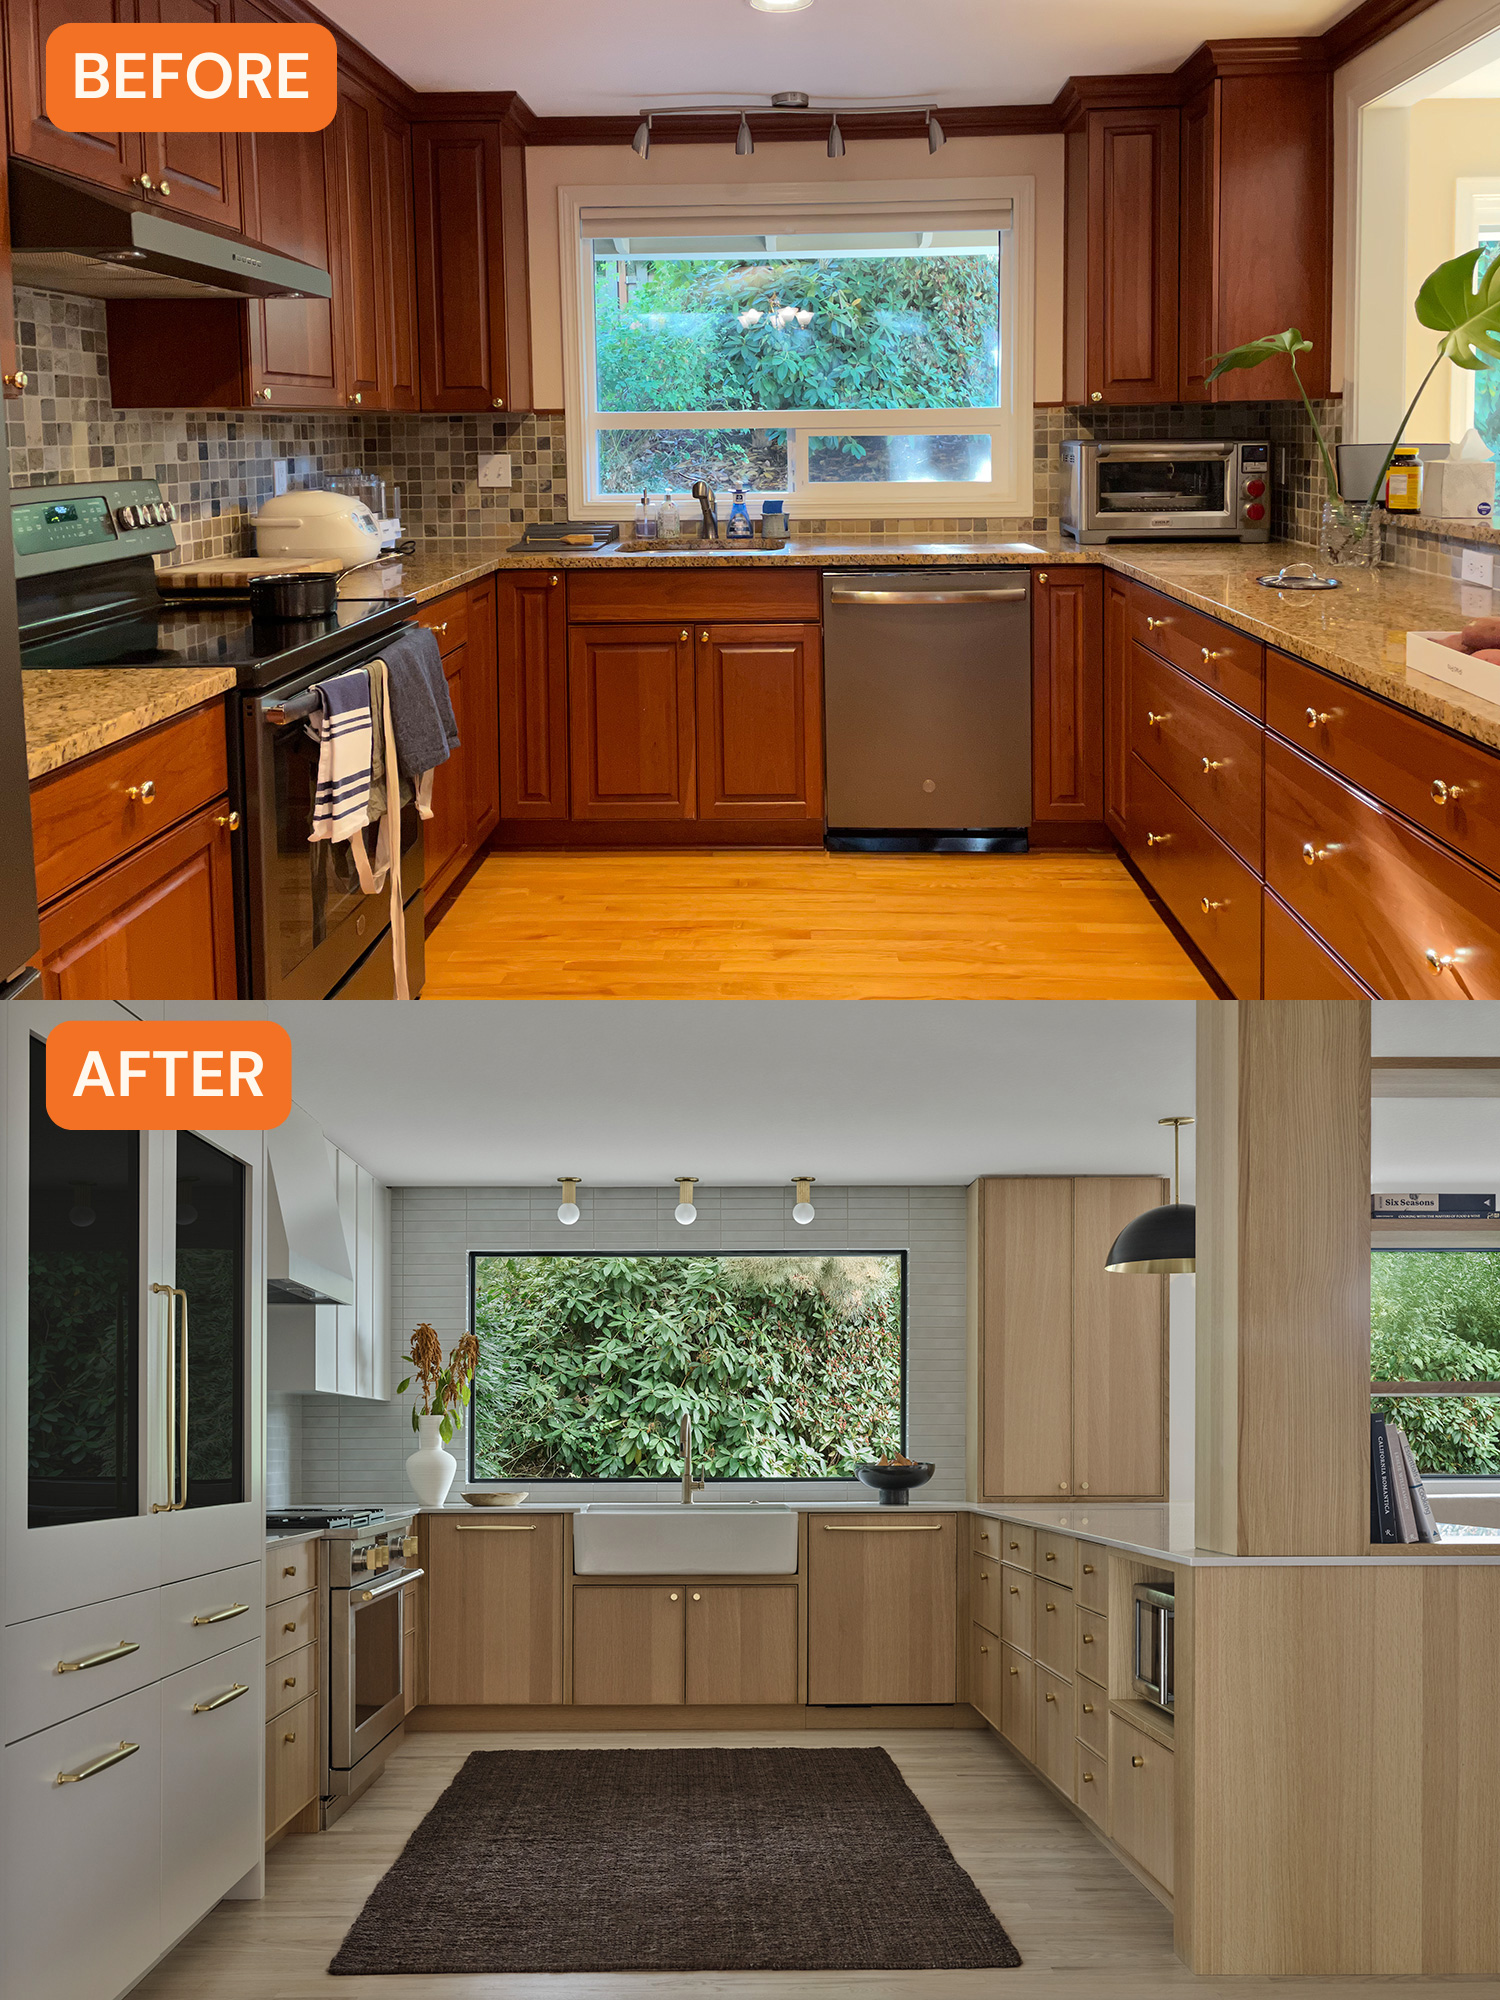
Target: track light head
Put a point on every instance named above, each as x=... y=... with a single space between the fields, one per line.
x=937 y=138
x=835 y=140
x=641 y=143
x=744 y=143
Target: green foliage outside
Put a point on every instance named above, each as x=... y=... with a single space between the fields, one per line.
x=790 y=1367
x=1435 y=1317
x=1487 y=385
x=881 y=333
x=80 y=1327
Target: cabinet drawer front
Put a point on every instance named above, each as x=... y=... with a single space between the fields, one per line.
x=1054 y=1627
x=1093 y=1783
x=1143 y=1811
x=988 y=1538
x=81 y=1907
x=76 y=1660
x=1091 y=1582
x=291 y=1569
x=1407 y=916
x=292 y=1625
x=1016 y=1592
x=1017 y=1545
x=1209 y=890
x=1091 y=1654
x=984 y=1674
x=1055 y=1557
x=294 y=1677
x=83 y=817
x=1449 y=786
x=651 y=595
x=986 y=1592
x=291 y=1763
x=1229 y=662
x=1299 y=966
x=211 y=1749
x=1091 y=1715
x=1208 y=752
x=447 y=619
x=203 y=1616
x=1018 y=1700
x=1054 y=1756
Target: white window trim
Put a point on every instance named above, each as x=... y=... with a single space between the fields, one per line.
x=1009 y=491
x=1476 y=206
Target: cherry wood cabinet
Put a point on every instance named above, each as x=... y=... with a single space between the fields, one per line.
x=881 y=1610
x=494 y=1610
x=1214 y=897
x=1206 y=750
x=532 y=637
x=1067 y=696
x=466 y=788
x=473 y=294
x=1116 y=700
x=195 y=173
x=375 y=246
x=1297 y=965
x=631 y=728
x=112 y=159
x=1120 y=339
x=760 y=722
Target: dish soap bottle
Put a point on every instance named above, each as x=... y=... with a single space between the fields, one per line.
x=1403 y=483
x=644 y=524
x=668 y=521
x=741 y=529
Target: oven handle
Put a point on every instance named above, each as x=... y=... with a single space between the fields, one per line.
x=391 y=1589
x=292 y=706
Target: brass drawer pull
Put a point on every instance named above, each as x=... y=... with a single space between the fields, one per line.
x=1442 y=963
x=1015 y=1590
x=984 y=1649
x=1209 y=657
x=1088 y=1708
x=1088 y=1777
x=1051 y=1697
x=1156 y=624
x=290 y=1628
x=1311 y=855
x=290 y=1681
x=1315 y=716
x=290 y=1570
x=697 y=1597
x=230 y=1611
x=869 y=1528
x=290 y=1737
x=1208 y=905
x=493 y=1528
x=143 y=794
x=119 y=1652
x=1015 y=1670
x=1015 y=1545
x=1138 y=1762
x=1156 y=720
x=17 y=382
x=1051 y=1607
x=231 y=821
x=99 y=1764
x=1088 y=1569
x=672 y=1596
x=1441 y=793
x=220 y=1700
x=1212 y=764
x=983 y=1535
x=1088 y=1638
x=1051 y=1556
x=1152 y=840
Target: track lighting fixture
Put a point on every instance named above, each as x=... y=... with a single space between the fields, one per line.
x=783 y=105
x=685 y=1212
x=835 y=140
x=568 y=1211
x=937 y=138
x=803 y=1211
x=641 y=143
x=1163 y=1240
x=744 y=144
x=780 y=6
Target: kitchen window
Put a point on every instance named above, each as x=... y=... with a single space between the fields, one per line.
x=1435 y=1355
x=790 y=1367
x=1476 y=396
x=858 y=356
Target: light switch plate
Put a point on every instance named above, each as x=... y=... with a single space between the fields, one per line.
x=494 y=469
x=1479 y=567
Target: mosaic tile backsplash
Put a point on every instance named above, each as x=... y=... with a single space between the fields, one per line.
x=220 y=467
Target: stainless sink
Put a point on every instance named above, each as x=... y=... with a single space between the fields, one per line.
x=631 y=547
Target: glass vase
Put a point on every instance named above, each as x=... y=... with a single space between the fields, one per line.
x=1352 y=535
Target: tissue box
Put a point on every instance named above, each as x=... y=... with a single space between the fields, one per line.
x=1445 y=663
x=1459 y=489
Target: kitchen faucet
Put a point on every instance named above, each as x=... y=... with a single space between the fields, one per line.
x=690 y=1486
x=703 y=494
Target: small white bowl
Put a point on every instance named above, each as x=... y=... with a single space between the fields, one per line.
x=495 y=1496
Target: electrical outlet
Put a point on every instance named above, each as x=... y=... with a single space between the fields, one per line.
x=494 y=469
x=1479 y=567
x=281 y=475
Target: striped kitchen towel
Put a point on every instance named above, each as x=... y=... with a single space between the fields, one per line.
x=340 y=726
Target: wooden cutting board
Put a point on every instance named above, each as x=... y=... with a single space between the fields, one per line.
x=235 y=572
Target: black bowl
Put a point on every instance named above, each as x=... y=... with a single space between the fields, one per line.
x=896 y=1481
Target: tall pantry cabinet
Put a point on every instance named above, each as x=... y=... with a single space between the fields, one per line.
x=1068 y=1362
x=131 y=1325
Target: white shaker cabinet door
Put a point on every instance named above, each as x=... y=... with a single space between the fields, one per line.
x=347 y=1317
x=364 y=1281
x=81 y=1867
x=212 y=1771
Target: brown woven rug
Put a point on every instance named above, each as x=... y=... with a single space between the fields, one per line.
x=676 y=1861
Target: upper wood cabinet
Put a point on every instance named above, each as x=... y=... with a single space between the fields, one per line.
x=1071 y=1359
x=196 y=173
x=1067 y=763
x=473 y=299
x=113 y=159
x=494 y=1609
x=1122 y=201
x=881 y=1609
x=375 y=270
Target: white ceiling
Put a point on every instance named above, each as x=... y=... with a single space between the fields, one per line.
x=611 y=56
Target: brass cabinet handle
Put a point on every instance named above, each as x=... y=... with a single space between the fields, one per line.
x=1062 y=1484
x=1156 y=720
x=1088 y=1638
x=1083 y=1486
x=177 y=1414
x=1138 y=1762
x=1088 y=1708
x=1043 y=577
x=1051 y=1607
x=498 y=403
x=1152 y=840
x=409 y=1545
x=984 y=1649
x=1441 y=793
x=229 y=1611
x=1015 y=1590
x=1088 y=1777
x=292 y=1627
x=697 y=1597
x=290 y=1681
x=289 y=1570
x=231 y=822
x=1156 y=624
x=165 y=189
x=1052 y=1555
x=1097 y=397
x=556 y=581
x=687 y=635
x=896 y=1528
x=1312 y=855
x=144 y=182
x=357 y=397
x=221 y=1700
x=1088 y=1569
x=1212 y=764
x=1015 y=1670
x=705 y=638
x=17 y=382
x=263 y=395
x=984 y=1534
x=1015 y=1545
x=119 y=1652
x=1207 y=905
x=99 y=1764
x=1315 y=716
x=1208 y=656
x=1052 y=1697
x=290 y=1737
x=143 y=794
x=489 y=1528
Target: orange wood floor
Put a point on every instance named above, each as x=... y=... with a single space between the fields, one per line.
x=805 y=925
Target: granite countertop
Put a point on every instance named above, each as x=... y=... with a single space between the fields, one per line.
x=71 y=713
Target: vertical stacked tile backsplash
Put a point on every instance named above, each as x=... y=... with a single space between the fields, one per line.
x=356 y=1451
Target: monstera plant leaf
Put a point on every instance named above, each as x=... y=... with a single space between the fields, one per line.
x=1251 y=355
x=1468 y=319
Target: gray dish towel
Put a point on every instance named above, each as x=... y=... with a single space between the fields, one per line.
x=422 y=717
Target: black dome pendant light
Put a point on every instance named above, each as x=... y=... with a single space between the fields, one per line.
x=1163 y=1240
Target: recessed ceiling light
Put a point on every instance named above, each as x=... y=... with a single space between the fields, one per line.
x=779 y=6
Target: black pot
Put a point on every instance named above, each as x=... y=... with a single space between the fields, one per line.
x=895 y=1482
x=282 y=595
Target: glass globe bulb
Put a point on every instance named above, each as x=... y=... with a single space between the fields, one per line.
x=685 y=1212
x=568 y=1213
x=803 y=1212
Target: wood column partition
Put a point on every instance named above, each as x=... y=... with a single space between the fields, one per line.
x=1283 y=1291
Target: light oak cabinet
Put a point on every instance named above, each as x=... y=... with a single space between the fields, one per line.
x=1142 y=1808
x=291 y=1764
x=742 y=1643
x=1054 y=1755
x=985 y=1674
x=881 y=1610
x=630 y=1645
x=663 y=1642
x=1018 y=1700
x=494 y=1610
x=1071 y=1359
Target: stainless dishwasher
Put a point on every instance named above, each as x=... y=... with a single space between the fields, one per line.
x=927 y=690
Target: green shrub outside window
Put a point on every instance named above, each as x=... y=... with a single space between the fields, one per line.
x=1435 y=1317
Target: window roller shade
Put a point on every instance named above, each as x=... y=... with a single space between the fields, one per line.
x=915 y=217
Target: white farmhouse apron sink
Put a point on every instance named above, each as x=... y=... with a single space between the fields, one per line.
x=711 y=1538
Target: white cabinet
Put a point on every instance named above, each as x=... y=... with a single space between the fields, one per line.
x=212 y=1765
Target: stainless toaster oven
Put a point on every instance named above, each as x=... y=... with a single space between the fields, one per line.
x=1167 y=491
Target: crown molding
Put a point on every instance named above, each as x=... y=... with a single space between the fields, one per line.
x=1367 y=24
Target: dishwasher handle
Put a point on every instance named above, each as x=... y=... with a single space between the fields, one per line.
x=1013 y=595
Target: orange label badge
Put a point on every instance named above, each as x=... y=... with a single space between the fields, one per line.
x=145 y=78
x=173 y=1076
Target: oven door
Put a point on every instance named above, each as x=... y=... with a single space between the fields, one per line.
x=366 y=1677
x=1174 y=489
x=309 y=921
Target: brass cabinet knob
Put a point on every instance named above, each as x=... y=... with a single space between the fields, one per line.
x=143 y=794
x=1088 y=1569
x=1152 y=840
x=1015 y=1670
x=556 y=581
x=1084 y=1487
x=1015 y=1545
x=144 y=182
x=290 y=1737
x=1315 y=716
x=697 y=1597
x=1043 y=577
x=1088 y=1708
x=1062 y=1487
x=1051 y=1607
x=1088 y=1777
x=1209 y=656
x=1138 y=1762
x=1441 y=963
x=498 y=403
x=164 y=189
x=291 y=1568
x=1051 y=1554
x=1212 y=764
x=16 y=382
x=230 y=821
x=1088 y=1638
x=1156 y=720
x=687 y=635
x=673 y=1596
x=1312 y=855
x=263 y=395
x=1015 y=1590
x=1097 y=397
x=290 y=1628
x=1155 y=624
x=290 y=1681
x=439 y=629
x=1207 y=905
x=983 y=1535
x=1052 y=1697
x=357 y=397
x=1442 y=793
x=984 y=1649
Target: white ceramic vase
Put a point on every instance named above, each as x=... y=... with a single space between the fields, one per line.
x=430 y=1469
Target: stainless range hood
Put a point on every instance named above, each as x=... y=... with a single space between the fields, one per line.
x=69 y=237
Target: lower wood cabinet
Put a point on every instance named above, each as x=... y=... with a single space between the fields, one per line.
x=1299 y=966
x=1054 y=1627
x=629 y=1644
x=1018 y=1700
x=742 y=1643
x=1054 y=1754
x=1142 y=1808
x=662 y=1642
x=1116 y=700
x=760 y=722
x=494 y=1610
x=466 y=788
x=291 y=1763
x=1092 y=1784
x=881 y=1610
x=1208 y=889
x=985 y=1673
x=1067 y=696
x=532 y=638
x=630 y=722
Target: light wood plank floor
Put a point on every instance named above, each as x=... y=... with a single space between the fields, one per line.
x=1085 y=1928
x=723 y=925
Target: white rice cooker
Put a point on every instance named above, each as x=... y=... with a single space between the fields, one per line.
x=306 y=526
